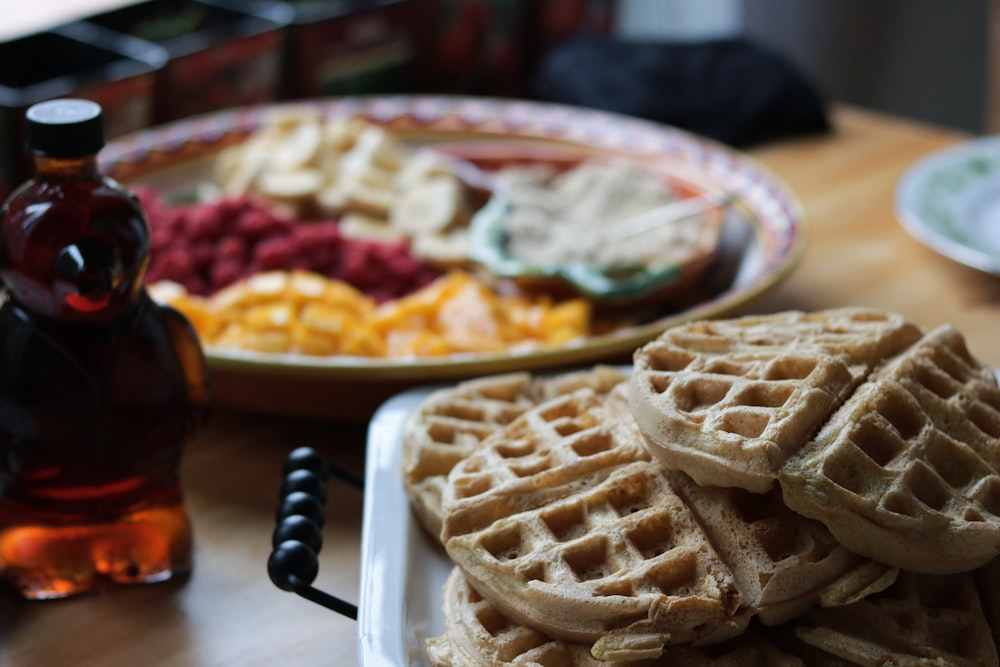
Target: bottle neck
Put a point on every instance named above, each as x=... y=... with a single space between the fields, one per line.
x=67 y=168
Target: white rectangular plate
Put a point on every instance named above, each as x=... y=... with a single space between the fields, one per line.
x=402 y=569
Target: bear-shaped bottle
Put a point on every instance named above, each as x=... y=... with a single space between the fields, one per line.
x=100 y=387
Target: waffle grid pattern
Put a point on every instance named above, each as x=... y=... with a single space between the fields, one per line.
x=743 y=413
x=920 y=620
x=913 y=454
x=574 y=546
x=478 y=635
x=862 y=335
x=452 y=422
x=607 y=547
x=728 y=401
x=450 y=425
x=783 y=563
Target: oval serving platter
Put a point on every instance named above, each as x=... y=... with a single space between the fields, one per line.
x=763 y=238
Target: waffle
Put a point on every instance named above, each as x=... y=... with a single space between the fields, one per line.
x=782 y=562
x=564 y=524
x=919 y=620
x=728 y=401
x=451 y=422
x=478 y=635
x=905 y=472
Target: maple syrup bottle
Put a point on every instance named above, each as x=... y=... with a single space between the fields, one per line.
x=100 y=387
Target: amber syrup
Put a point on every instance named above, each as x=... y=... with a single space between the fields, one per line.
x=100 y=387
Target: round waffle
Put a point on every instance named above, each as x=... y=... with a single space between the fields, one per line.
x=782 y=562
x=908 y=470
x=449 y=425
x=478 y=635
x=728 y=401
x=920 y=620
x=561 y=521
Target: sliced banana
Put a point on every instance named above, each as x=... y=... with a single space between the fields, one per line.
x=309 y=165
x=430 y=206
x=423 y=164
x=298 y=148
x=376 y=147
x=292 y=184
x=341 y=134
x=363 y=198
x=360 y=226
x=243 y=167
x=444 y=250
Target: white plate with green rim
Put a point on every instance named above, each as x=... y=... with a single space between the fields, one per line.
x=950 y=201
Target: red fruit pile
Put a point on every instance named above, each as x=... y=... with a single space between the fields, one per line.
x=207 y=246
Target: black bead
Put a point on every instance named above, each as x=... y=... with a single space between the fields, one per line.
x=299 y=502
x=299 y=528
x=306 y=481
x=292 y=558
x=306 y=458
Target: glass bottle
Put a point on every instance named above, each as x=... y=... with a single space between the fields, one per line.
x=100 y=387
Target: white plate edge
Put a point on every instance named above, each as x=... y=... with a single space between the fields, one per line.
x=915 y=177
x=386 y=541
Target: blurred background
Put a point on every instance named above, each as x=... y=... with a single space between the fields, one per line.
x=925 y=59
x=159 y=60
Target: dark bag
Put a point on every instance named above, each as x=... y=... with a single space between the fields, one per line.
x=730 y=90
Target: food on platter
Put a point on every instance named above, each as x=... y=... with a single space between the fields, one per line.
x=783 y=562
x=919 y=620
x=886 y=434
x=316 y=167
x=300 y=312
x=727 y=402
x=586 y=215
x=479 y=635
x=262 y=220
x=207 y=246
x=562 y=523
x=451 y=424
x=908 y=469
x=763 y=237
x=877 y=532
x=612 y=230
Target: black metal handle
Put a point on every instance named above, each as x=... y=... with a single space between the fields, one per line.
x=298 y=534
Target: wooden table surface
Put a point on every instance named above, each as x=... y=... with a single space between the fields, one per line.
x=228 y=613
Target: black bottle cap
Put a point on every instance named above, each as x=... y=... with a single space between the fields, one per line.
x=65 y=128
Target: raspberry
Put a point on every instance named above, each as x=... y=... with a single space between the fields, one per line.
x=225 y=273
x=230 y=210
x=203 y=223
x=202 y=255
x=174 y=264
x=161 y=238
x=197 y=285
x=255 y=224
x=273 y=254
x=354 y=266
x=232 y=248
x=208 y=245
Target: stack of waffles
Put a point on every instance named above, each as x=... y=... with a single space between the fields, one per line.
x=792 y=489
